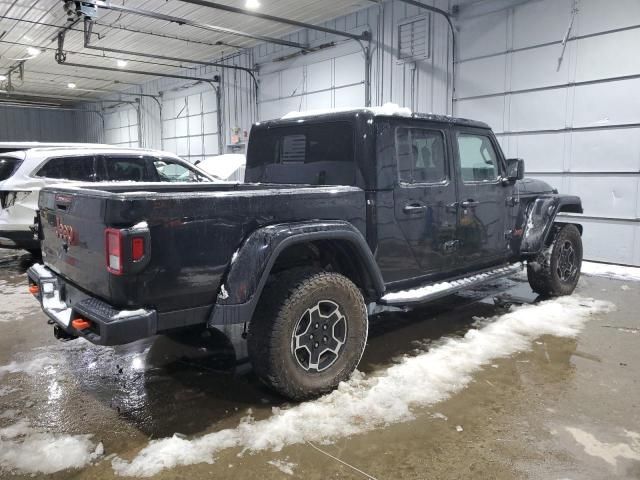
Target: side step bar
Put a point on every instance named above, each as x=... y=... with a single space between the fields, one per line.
x=433 y=291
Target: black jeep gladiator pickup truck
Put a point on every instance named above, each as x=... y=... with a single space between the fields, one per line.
x=342 y=213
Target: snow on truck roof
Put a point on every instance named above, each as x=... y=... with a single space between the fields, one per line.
x=386 y=110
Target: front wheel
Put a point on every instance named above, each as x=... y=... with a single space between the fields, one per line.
x=308 y=333
x=557 y=270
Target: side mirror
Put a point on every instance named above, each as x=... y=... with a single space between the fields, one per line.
x=515 y=169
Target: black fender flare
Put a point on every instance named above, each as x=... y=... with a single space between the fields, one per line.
x=541 y=217
x=252 y=263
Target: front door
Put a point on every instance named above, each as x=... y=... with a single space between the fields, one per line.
x=425 y=197
x=482 y=198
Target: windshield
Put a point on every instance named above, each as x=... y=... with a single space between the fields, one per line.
x=8 y=165
x=320 y=154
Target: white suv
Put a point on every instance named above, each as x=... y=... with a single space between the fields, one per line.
x=23 y=173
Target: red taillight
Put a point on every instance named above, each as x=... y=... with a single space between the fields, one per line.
x=113 y=246
x=137 y=248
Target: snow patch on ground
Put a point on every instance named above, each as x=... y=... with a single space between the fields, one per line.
x=33 y=366
x=284 y=467
x=390 y=396
x=609 y=452
x=617 y=272
x=26 y=450
x=7 y=390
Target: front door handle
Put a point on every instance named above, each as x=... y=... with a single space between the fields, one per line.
x=470 y=204
x=413 y=208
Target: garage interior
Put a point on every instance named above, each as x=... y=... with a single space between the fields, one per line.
x=559 y=83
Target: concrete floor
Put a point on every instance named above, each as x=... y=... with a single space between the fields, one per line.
x=563 y=409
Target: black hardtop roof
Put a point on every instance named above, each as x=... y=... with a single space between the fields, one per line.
x=369 y=113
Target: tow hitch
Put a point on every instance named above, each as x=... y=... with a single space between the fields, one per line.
x=60 y=334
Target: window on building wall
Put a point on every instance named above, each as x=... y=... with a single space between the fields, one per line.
x=414 y=39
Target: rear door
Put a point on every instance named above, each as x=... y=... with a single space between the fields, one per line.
x=482 y=198
x=425 y=195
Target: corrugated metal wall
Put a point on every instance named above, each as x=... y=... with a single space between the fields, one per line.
x=574 y=116
x=238 y=107
x=334 y=77
x=22 y=124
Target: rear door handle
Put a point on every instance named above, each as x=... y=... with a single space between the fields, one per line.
x=470 y=204
x=413 y=208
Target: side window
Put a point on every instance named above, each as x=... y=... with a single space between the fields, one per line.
x=315 y=153
x=69 y=168
x=126 y=169
x=478 y=159
x=170 y=171
x=421 y=156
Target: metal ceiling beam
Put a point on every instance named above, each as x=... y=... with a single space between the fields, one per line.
x=61 y=58
x=93 y=55
x=192 y=23
x=273 y=18
x=135 y=72
x=113 y=27
x=88 y=23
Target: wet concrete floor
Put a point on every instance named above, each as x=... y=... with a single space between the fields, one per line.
x=565 y=409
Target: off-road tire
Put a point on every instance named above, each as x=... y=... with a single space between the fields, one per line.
x=543 y=275
x=284 y=301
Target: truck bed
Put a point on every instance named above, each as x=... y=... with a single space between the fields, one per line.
x=194 y=231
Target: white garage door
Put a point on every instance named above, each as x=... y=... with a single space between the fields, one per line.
x=190 y=123
x=572 y=112
x=121 y=127
x=313 y=82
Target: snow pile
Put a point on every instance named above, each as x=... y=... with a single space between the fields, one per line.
x=388 y=109
x=618 y=272
x=365 y=403
x=26 y=450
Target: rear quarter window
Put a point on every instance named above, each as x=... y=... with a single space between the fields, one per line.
x=320 y=154
x=68 y=168
x=8 y=166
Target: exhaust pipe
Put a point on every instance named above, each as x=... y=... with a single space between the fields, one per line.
x=61 y=335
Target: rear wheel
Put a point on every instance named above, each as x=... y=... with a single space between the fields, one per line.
x=557 y=270
x=308 y=333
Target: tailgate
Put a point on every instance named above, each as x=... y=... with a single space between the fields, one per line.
x=73 y=238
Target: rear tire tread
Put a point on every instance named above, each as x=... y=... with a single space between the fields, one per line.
x=271 y=322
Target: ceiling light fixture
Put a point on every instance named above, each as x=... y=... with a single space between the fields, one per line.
x=122 y=63
x=252 y=4
x=71 y=85
x=33 y=51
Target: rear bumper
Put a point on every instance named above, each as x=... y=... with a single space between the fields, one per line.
x=62 y=303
